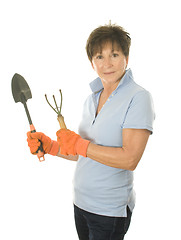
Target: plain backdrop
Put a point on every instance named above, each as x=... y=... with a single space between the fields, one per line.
x=44 y=41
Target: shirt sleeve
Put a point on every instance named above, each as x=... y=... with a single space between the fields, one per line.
x=140 y=113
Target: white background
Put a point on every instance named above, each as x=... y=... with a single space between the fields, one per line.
x=44 y=41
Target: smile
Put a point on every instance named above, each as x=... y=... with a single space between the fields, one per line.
x=108 y=73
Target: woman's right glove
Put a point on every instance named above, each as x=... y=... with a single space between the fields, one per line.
x=49 y=146
x=71 y=143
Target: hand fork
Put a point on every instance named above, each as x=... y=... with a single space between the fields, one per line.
x=57 y=109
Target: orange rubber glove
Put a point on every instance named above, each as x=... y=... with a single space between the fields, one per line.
x=71 y=143
x=49 y=146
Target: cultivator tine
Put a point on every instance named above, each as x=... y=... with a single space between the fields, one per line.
x=56 y=104
x=50 y=104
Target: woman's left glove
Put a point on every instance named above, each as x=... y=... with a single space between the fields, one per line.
x=71 y=143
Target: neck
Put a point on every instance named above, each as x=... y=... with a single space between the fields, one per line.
x=110 y=87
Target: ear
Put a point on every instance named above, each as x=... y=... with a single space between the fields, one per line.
x=126 y=62
x=92 y=65
x=127 y=59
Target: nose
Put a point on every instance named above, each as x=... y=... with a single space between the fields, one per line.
x=107 y=62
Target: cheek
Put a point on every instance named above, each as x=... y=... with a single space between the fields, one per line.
x=122 y=64
x=96 y=67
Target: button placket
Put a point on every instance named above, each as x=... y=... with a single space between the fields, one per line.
x=96 y=103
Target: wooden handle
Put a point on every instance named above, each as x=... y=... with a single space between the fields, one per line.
x=60 y=119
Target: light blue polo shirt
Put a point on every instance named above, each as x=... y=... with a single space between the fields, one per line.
x=99 y=188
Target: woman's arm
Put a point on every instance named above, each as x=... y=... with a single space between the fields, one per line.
x=128 y=156
x=69 y=157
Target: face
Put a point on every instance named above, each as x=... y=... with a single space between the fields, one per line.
x=110 y=64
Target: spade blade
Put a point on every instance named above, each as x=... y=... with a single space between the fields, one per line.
x=20 y=89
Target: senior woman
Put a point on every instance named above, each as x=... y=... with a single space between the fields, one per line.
x=116 y=123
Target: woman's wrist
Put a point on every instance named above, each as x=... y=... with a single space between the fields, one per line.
x=54 y=148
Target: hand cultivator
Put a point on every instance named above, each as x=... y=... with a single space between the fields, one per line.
x=57 y=109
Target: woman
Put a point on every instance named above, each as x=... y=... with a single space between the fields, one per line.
x=116 y=124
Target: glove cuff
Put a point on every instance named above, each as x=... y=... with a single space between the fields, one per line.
x=54 y=148
x=81 y=147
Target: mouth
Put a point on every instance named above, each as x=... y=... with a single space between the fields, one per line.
x=108 y=73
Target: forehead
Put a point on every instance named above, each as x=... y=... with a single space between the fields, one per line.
x=112 y=45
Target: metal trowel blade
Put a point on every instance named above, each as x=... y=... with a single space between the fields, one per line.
x=20 y=89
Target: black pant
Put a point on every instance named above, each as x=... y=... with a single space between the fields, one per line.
x=97 y=227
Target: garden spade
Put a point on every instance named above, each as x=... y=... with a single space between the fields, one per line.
x=21 y=93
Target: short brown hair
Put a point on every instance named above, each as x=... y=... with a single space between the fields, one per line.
x=108 y=33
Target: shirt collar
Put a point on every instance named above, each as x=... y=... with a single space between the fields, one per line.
x=96 y=85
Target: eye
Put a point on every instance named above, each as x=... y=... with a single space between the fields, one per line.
x=99 y=57
x=115 y=55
